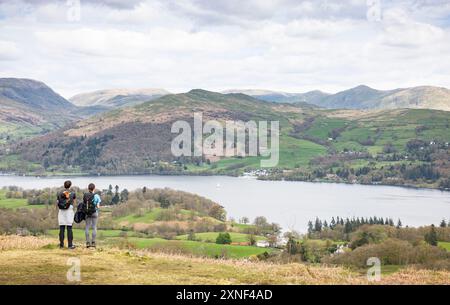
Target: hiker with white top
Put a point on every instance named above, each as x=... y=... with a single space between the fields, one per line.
x=65 y=201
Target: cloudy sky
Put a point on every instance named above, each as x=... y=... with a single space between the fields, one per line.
x=288 y=45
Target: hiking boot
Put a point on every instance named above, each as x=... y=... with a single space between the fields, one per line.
x=61 y=246
x=88 y=244
x=93 y=244
x=72 y=247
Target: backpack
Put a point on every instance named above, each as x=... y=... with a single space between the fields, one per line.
x=89 y=207
x=80 y=215
x=65 y=200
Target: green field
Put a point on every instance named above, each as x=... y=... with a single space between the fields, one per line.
x=130 y=239
x=323 y=126
x=14 y=203
x=197 y=248
x=293 y=153
x=211 y=237
x=78 y=234
x=19 y=131
x=12 y=163
x=242 y=226
x=445 y=245
x=148 y=217
x=153 y=215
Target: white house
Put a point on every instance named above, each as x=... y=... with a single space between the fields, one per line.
x=341 y=249
x=282 y=242
x=262 y=243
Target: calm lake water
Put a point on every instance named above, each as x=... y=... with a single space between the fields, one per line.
x=291 y=204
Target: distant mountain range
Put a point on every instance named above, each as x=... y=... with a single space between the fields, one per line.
x=31 y=95
x=41 y=132
x=363 y=97
x=311 y=97
x=117 y=98
x=29 y=107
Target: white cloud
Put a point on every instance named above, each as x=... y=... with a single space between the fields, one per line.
x=401 y=30
x=290 y=45
x=8 y=51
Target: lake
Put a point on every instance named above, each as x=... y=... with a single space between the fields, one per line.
x=290 y=204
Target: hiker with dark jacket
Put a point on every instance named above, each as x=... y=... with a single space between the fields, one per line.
x=91 y=202
x=65 y=201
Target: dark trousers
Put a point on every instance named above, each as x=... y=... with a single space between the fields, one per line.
x=69 y=235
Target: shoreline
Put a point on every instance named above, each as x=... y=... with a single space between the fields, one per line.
x=69 y=175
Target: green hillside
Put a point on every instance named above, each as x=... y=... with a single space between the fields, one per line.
x=400 y=147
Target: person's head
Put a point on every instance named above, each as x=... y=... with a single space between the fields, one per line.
x=91 y=187
x=67 y=184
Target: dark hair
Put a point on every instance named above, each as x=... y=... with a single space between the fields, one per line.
x=91 y=187
x=67 y=184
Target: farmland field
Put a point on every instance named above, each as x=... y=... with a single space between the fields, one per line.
x=129 y=239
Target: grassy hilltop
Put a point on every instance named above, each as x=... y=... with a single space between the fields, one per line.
x=114 y=266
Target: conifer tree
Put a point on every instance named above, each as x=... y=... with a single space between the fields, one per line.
x=431 y=237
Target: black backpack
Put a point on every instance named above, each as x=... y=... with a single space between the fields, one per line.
x=89 y=206
x=65 y=200
x=80 y=215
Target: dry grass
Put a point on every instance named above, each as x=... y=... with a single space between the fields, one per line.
x=418 y=277
x=23 y=242
x=26 y=262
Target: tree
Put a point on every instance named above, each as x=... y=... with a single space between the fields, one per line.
x=223 y=238
x=260 y=221
x=245 y=220
x=116 y=198
x=443 y=223
x=110 y=192
x=292 y=246
x=348 y=226
x=310 y=228
x=163 y=202
x=251 y=239
x=272 y=239
x=318 y=225
x=191 y=235
x=332 y=223
x=124 y=195
x=431 y=237
x=399 y=224
x=217 y=212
